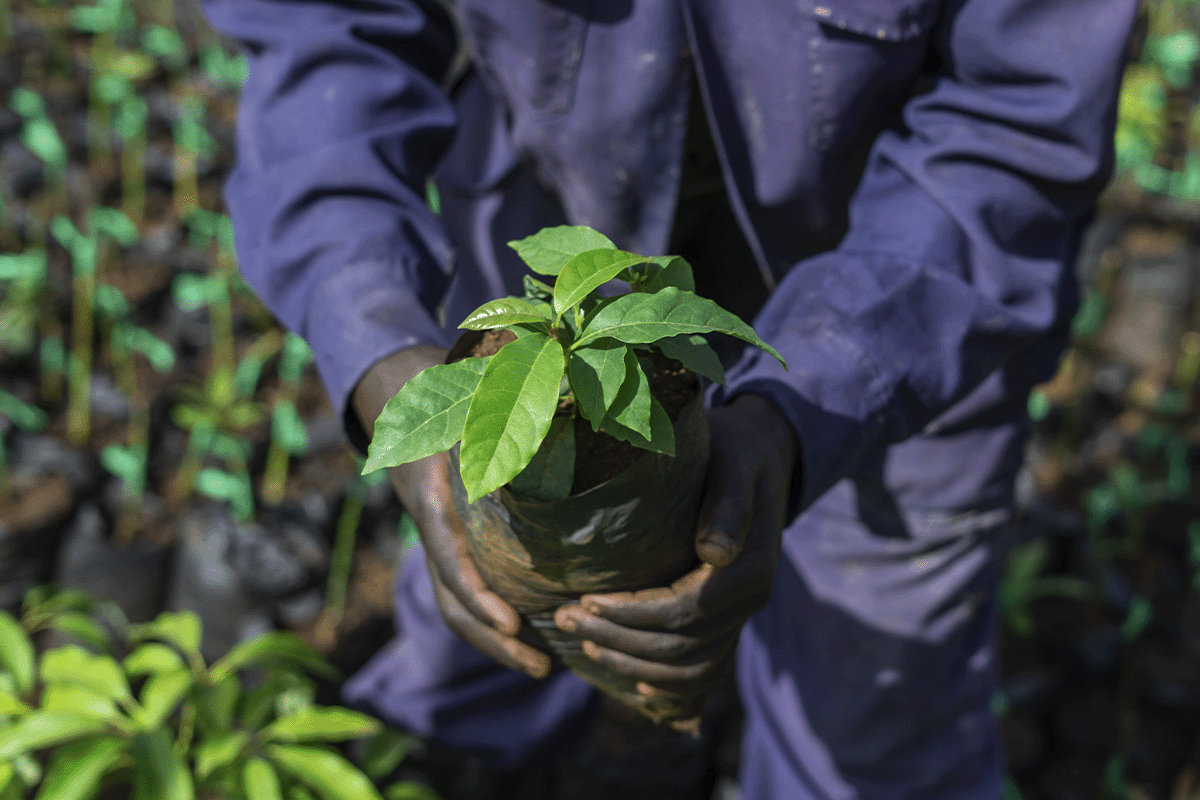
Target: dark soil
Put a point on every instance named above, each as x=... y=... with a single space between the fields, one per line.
x=598 y=456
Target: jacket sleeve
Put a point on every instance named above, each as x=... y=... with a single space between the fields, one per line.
x=962 y=233
x=341 y=122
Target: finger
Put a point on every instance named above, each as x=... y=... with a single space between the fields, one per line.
x=727 y=507
x=661 y=646
x=739 y=589
x=507 y=650
x=681 y=675
x=450 y=559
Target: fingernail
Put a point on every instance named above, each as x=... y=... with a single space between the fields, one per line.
x=565 y=620
x=721 y=542
x=591 y=650
x=593 y=607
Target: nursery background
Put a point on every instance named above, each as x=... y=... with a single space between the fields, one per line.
x=166 y=446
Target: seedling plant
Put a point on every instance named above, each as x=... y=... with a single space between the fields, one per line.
x=573 y=344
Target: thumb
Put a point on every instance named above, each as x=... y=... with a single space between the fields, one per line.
x=725 y=512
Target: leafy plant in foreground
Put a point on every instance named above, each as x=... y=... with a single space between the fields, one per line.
x=571 y=342
x=144 y=710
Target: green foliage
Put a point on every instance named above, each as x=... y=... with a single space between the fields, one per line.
x=167 y=726
x=571 y=343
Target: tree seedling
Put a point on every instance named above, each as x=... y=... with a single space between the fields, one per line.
x=571 y=343
x=288 y=434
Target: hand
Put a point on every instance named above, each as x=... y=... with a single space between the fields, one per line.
x=680 y=640
x=470 y=609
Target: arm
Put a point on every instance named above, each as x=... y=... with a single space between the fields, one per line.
x=340 y=124
x=962 y=233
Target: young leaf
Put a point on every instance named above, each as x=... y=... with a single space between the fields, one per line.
x=82 y=627
x=502 y=312
x=384 y=751
x=596 y=374
x=161 y=695
x=216 y=703
x=640 y=318
x=78 y=700
x=180 y=628
x=427 y=415
x=73 y=664
x=158 y=772
x=330 y=775
x=220 y=751
x=10 y=704
x=152 y=658
x=695 y=353
x=585 y=272
x=548 y=251
x=321 y=724
x=259 y=780
x=410 y=790
x=662 y=433
x=45 y=729
x=671 y=271
x=77 y=768
x=272 y=648
x=631 y=407
x=510 y=412
x=551 y=473
x=16 y=653
x=534 y=289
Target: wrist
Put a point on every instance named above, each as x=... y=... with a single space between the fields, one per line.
x=386 y=377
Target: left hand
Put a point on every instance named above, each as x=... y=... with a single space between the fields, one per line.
x=679 y=640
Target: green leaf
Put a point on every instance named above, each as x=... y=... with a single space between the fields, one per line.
x=662 y=433
x=410 y=790
x=16 y=653
x=631 y=407
x=180 y=628
x=328 y=724
x=158 y=771
x=384 y=751
x=152 y=658
x=216 y=702
x=535 y=289
x=288 y=429
x=112 y=222
x=671 y=271
x=427 y=415
x=78 y=699
x=503 y=312
x=597 y=373
x=27 y=417
x=1141 y=612
x=548 y=251
x=45 y=729
x=73 y=664
x=640 y=318
x=76 y=769
x=259 y=780
x=161 y=695
x=270 y=649
x=510 y=412
x=695 y=353
x=330 y=775
x=551 y=473
x=584 y=272
x=219 y=752
x=10 y=704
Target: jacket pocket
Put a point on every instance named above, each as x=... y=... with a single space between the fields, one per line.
x=864 y=59
x=528 y=50
x=882 y=20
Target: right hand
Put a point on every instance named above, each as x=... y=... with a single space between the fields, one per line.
x=470 y=608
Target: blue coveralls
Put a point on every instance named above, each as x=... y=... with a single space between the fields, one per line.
x=912 y=178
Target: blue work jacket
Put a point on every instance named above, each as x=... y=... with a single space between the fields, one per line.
x=912 y=176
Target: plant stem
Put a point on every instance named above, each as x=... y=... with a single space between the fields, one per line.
x=133 y=178
x=341 y=560
x=80 y=361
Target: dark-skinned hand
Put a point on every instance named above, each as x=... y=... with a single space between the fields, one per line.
x=678 y=641
x=469 y=607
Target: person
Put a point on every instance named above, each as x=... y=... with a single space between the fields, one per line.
x=901 y=185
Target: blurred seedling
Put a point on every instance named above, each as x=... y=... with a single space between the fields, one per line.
x=105 y=21
x=23 y=416
x=288 y=434
x=192 y=143
x=125 y=340
x=87 y=251
x=40 y=137
x=1024 y=581
x=27 y=310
